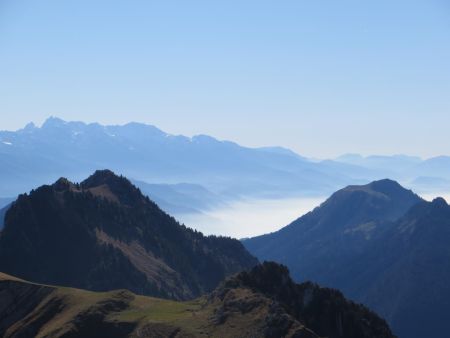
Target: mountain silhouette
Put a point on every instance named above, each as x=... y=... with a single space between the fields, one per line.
x=406 y=272
x=103 y=234
x=381 y=245
x=314 y=245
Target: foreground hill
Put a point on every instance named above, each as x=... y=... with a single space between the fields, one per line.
x=382 y=246
x=103 y=234
x=263 y=302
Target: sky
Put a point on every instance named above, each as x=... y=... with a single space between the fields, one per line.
x=322 y=77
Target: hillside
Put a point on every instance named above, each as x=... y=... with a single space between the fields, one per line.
x=103 y=234
x=407 y=280
x=249 y=304
x=2 y=216
x=4 y=205
x=315 y=245
x=380 y=245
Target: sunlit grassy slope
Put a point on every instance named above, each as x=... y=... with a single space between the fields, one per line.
x=262 y=302
x=67 y=312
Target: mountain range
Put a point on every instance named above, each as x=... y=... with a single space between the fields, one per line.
x=424 y=176
x=182 y=198
x=165 y=165
x=382 y=245
x=263 y=302
x=94 y=251
x=34 y=155
x=104 y=234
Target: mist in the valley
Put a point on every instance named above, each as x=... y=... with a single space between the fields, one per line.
x=251 y=217
x=431 y=196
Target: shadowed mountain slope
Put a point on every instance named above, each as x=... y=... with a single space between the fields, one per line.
x=2 y=216
x=315 y=245
x=103 y=234
x=263 y=302
x=405 y=275
x=382 y=246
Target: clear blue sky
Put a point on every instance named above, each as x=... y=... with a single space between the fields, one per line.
x=320 y=77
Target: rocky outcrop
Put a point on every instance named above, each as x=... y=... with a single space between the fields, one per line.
x=288 y=309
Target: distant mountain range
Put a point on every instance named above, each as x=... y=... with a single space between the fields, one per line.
x=263 y=302
x=34 y=155
x=431 y=175
x=380 y=244
x=174 y=169
x=181 y=198
x=103 y=234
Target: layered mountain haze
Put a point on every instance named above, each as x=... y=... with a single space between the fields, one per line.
x=263 y=302
x=145 y=153
x=206 y=183
x=424 y=176
x=182 y=198
x=103 y=234
x=4 y=201
x=224 y=169
x=380 y=244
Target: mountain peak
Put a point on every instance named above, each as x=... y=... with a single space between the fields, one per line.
x=103 y=234
x=386 y=188
x=29 y=127
x=107 y=184
x=300 y=302
x=385 y=185
x=63 y=184
x=53 y=121
x=99 y=177
x=440 y=202
x=106 y=177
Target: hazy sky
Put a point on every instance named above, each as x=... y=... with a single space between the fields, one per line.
x=320 y=77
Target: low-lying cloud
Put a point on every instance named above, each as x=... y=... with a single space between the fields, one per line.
x=251 y=217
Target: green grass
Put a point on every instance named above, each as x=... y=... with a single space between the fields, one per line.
x=192 y=317
x=153 y=309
